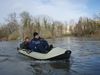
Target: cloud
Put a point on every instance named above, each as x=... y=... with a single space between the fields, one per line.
x=62 y=10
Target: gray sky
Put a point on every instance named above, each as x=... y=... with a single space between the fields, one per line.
x=62 y=10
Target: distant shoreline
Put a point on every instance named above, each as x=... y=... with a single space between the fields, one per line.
x=94 y=37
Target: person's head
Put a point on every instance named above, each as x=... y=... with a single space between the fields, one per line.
x=27 y=39
x=36 y=35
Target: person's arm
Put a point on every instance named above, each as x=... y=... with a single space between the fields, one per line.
x=45 y=44
x=32 y=45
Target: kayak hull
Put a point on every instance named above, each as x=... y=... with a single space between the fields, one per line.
x=65 y=56
x=54 y=54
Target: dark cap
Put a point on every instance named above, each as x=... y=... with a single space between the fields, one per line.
x=35 y=33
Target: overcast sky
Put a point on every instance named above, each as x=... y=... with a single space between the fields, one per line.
x=62 y=10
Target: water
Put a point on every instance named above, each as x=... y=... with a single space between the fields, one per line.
x=85 y=59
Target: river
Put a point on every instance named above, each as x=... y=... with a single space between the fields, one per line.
x=85 y=59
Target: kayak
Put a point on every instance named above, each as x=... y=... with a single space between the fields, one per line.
x=54 y=54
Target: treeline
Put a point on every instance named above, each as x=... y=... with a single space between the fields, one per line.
x=86 y=27
x=9 y=30
x=25 y=24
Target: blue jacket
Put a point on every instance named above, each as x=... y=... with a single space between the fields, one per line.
x=38 y=45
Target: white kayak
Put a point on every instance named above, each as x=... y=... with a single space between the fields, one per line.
x=55 y=53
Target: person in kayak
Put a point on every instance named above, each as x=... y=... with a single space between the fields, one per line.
x=25 y=44
x=38 y=44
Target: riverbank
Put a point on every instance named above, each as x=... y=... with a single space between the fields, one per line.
x=65 y=36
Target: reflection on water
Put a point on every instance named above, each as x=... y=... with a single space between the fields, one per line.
x=61 y=65
x=50 y=68
x=85 y=59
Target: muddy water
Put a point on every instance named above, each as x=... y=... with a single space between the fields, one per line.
x=85 y=59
